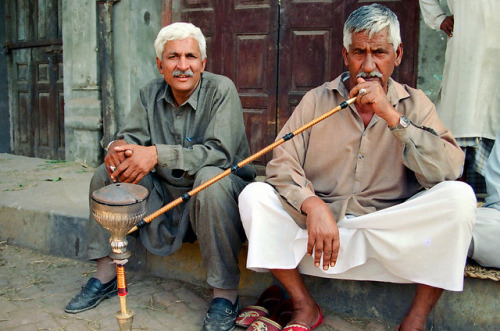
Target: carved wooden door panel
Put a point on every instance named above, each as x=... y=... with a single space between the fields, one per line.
x=242 y=44
x=35 y=68
x=310 y=49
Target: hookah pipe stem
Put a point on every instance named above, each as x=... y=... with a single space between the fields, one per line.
x=122 y=288
x=188 y=195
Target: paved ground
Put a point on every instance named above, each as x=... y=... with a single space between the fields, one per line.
x=34 y=289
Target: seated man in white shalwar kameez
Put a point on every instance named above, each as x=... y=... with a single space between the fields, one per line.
x=370 y=192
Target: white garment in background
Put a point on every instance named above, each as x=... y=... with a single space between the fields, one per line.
x=469 y=102
x=486 y=244
x=423 y=240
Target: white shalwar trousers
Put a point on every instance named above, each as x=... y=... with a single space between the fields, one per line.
x=486 y=235
x=424 y=240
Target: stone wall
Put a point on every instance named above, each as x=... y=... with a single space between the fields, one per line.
x=134 y=28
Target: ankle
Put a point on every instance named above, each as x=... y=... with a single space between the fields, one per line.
x=413 y=323
x=231 y=295
x=106 y=270
x=306 y=313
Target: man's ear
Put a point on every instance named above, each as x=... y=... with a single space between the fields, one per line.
x=344 y=55
x=159 y=65
x=203 y=64
x=399 y=55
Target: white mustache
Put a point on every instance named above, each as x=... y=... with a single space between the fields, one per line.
x=188 y=73
x=374 y=73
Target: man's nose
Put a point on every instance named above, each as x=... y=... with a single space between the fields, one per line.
x=183 y=64
x=368 y=63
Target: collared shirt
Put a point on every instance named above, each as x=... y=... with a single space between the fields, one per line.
x=358 y=170
x=206 y=130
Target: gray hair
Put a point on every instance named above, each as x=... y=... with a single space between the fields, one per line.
x=180 y=31
x=372 y=18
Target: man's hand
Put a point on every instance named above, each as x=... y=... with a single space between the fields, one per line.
x=138 y=162
x=374 y=100
x=447 y=25
x=323 y=233
x=114 y=158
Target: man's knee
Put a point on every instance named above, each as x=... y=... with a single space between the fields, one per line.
x=461 y=199
x=459 y=193
x=254 y=193
x=100 y=178
x=217 y=190
x=206 y=173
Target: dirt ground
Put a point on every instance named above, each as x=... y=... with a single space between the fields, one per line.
x=34 y=289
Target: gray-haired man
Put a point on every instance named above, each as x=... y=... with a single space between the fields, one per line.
x=368 y=194
x=183 y=130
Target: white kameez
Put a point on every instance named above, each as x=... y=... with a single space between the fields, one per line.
x=423 y=240
x=469 y=102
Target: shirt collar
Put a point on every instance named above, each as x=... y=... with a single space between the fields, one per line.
x=192 y=100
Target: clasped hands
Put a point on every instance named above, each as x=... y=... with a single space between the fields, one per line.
x=129 y=163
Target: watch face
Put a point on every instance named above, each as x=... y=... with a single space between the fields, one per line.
x=404 y=121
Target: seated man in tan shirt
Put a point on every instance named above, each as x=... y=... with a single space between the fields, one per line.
x=368 y=193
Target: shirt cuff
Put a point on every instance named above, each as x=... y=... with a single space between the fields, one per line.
x=404 y=134
x=166 y=156
x=297 y=198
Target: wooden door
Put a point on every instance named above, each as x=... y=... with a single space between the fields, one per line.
x=242 y=42
x=276 y=51
x=310 y=50
x=35 y=67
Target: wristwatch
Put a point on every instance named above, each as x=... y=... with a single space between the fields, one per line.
x=403 y=123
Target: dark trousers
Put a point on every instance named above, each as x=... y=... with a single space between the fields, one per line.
x=212 y=215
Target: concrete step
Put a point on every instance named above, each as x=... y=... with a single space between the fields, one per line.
x=44 y=206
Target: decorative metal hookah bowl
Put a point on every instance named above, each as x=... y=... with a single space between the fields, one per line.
x=118 y=208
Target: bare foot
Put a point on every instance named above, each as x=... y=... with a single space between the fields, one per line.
x=306 y=314
x=413 y=323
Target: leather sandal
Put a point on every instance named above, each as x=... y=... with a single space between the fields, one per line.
x=281 y=316
x=267 y=303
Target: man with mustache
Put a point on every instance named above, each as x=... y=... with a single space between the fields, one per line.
x=367 y=194
x=184 y=129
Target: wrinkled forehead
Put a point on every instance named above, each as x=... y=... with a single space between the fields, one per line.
x=186 y=45
x=367 y=37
